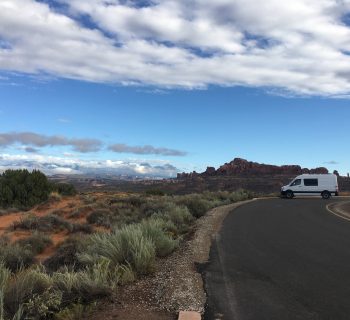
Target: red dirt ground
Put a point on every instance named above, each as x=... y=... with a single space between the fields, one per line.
x=67 y=205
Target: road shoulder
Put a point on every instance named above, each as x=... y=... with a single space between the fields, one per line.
x=340 y=209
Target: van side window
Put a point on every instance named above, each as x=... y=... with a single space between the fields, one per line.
x=296 y=182
x=311 y=182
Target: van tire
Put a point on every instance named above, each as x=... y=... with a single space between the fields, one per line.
x=289 y=194
x=325 y=195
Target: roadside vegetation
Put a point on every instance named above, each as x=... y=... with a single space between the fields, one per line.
x=109 y=241
x=23 y=189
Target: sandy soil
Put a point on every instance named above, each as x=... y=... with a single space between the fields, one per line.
x=67 y=205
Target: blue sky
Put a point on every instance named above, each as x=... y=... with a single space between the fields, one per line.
x=159 y=87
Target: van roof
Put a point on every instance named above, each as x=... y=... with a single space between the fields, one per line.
x=317 y=175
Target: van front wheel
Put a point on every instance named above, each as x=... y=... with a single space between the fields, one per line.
x=325 y=195
x=289 y=194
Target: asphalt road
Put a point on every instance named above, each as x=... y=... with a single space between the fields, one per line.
x=280 y=259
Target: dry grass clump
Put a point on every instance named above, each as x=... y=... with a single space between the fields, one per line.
x=126 y=246
x=35 y=294
x=14 y=256
x=66 y=254
x=36 y=242
x=51 y=222
x=101 y=217
x=54 y=196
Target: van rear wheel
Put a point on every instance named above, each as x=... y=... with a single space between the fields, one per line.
x=325 y=195
x=289 y=194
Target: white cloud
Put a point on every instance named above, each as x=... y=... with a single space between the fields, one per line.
x=298 y=46
x=58 y=165
x=40 y=140
x=123 y=148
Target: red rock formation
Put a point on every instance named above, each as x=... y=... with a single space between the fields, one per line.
x=242 y=167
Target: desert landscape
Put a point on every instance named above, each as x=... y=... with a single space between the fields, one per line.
x=72 y=251
x=174 y=160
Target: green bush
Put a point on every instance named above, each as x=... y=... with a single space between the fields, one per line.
x=23 y=189
x=195 y=204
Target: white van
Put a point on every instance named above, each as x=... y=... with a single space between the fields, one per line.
x=324 y=185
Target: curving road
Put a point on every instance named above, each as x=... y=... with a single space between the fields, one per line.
x=280 y=259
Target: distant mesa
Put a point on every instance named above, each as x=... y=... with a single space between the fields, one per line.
x=242 y=167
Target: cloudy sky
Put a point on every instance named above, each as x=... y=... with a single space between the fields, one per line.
x=156 y=87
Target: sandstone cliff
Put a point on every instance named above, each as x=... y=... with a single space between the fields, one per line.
x=241 y=167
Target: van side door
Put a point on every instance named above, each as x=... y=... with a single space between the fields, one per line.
x=311 y=186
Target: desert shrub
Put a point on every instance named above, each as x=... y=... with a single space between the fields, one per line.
x=180 y=216
x=43 y=306
x=134 y=200
x=155 y=192
x=87 y=199
x=195 y=204
x=240 y=195
x=5 y=275
x=23 y=286
x=15 y=256
x=76 y=311
x=155 y=229
x=156 y=205
x=100 y=217
x=66 y=254
x=123 y=214
x=37 y=242
x=64 y=189
x=127 y=245
x=46 y=223
x=126 y=274
x=81 y=227
x=88 y=285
